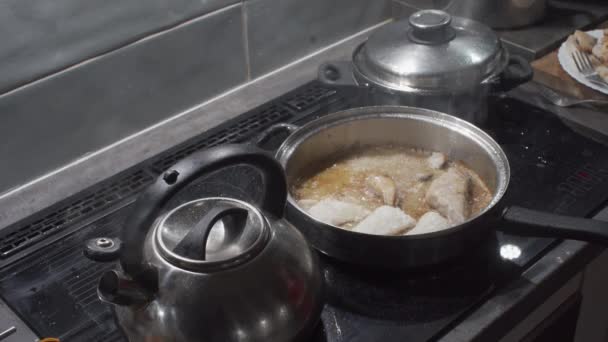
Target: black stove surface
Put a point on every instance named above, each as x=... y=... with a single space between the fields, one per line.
x=52 y=286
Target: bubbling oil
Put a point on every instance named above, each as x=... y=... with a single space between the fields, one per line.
x=407 y=167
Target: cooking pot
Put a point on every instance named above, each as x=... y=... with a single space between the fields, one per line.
x=501 y=14
x=310 y=147
x=434 y=61
x=212 y=269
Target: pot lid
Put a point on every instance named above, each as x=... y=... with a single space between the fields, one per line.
x=432 y=51
x=211 y=233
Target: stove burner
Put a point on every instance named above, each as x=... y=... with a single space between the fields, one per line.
x=386 y=295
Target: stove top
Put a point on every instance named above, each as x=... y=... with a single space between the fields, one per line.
x=562 y=18
x=45 y=278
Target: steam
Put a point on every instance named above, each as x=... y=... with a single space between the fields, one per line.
x=464 y=8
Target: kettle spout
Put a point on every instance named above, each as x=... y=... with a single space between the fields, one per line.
x=117 y=289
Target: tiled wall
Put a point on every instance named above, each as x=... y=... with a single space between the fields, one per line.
x=281 y=30
x=403 y=8
x=76 y=76
x=40 y=37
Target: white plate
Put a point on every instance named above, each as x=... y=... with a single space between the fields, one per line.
x=564 y=55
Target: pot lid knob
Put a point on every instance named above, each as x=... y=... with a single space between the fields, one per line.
x=431 y=27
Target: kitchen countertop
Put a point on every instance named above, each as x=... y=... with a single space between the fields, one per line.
x=489 y=322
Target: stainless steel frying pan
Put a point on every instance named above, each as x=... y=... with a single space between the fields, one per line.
x=318 y=141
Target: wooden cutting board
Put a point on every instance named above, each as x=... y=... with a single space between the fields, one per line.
x=548 y=71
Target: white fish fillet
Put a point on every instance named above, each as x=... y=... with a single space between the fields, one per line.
x=334 y=212
x=385 y=220
x=448 y=194
x=436 y=160
x=430 y=222
x=384 y=186
x=423 y=176
x=601 y=52
x=306 y=204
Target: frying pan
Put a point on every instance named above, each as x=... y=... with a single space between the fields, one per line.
x=314 y=144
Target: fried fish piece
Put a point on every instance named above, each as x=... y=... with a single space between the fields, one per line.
x=448 y=194
x=383 y=186
x=306 y=204
x=335 y=212
x=385 y=220
x=585 y=41
x=595 y=62
x=436 y=160
x=601 y=52
x=602 y=71
x=430 y=222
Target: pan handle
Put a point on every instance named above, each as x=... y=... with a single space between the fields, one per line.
x=518 y=71
x=263 y=137
x=528 y=222
x=338 y=73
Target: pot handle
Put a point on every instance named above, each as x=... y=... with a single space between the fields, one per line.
x=338 y=73
x=268 y=132
x=518 y=71
x=528 y=222
x=155 y=197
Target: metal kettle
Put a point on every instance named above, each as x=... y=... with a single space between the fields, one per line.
x=212 y=269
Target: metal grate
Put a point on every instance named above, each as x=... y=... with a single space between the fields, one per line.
x=81 y=284
x=238 y=131
x=308 y=97
x=64 y=302
x=93 y=200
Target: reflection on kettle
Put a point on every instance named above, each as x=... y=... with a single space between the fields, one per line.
x=212 y=269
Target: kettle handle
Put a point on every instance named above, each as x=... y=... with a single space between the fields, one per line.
x=156 y=196
x=194 y=244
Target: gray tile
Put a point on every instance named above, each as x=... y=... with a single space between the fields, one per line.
x=41 y=36
x=280 y=31
x=427 y=4
x=401 y=10
x=27 y=200
x=50 y=123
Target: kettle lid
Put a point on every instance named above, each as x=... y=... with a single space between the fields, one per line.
x=211 y=234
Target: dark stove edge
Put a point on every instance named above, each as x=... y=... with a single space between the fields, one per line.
x=513 y=303
x=517 y=300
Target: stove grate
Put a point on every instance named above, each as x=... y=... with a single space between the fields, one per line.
x=19 y=236
x=239 y=131
x=311 y=96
